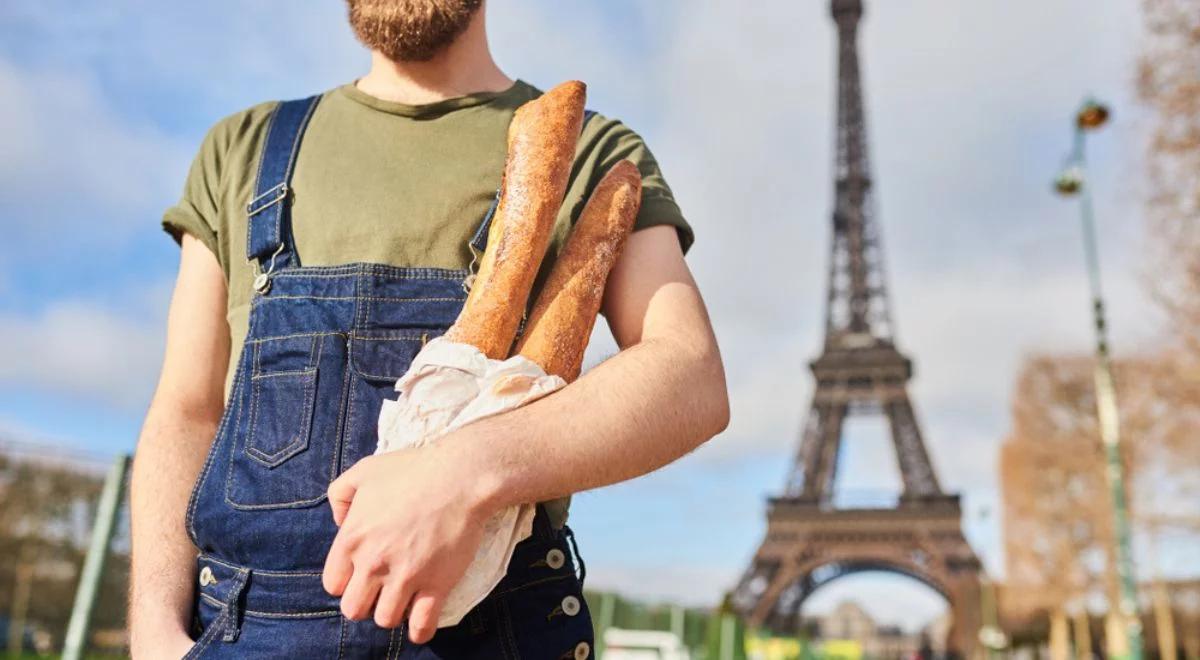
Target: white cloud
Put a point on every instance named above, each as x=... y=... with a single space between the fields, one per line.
x=77 y=348
x=69 y=159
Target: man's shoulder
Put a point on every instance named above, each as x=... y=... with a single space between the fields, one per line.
x=597 y=126
x=231 y=144
x=239 y=130
x=600 y=131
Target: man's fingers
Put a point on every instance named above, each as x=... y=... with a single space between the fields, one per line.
x=338 y=566
x=422 y=622
x=359 y=599
x=341 y=492
x=393 y=601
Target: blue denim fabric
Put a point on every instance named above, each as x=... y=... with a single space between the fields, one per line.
x=324 y=349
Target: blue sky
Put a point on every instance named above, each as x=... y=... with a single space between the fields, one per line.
x=105 y=104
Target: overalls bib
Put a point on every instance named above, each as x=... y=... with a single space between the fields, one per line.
x=325 y=347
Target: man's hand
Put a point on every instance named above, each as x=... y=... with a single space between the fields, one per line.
x=413 y=530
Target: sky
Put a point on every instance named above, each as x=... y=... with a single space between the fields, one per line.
x=968 y=105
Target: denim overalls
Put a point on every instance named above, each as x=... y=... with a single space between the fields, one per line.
x=325 y=347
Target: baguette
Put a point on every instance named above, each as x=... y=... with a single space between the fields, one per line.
x=565 y=311
x=541 y=150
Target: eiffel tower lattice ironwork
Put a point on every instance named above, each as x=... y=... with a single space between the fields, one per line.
x=809 y=540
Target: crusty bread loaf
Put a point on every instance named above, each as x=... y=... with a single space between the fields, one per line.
x=541 y=150
x=565 y=311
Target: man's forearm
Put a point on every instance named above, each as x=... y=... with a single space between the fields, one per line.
x=170 y=454
x=637 y=411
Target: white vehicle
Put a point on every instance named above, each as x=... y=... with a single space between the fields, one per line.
x=622 y=644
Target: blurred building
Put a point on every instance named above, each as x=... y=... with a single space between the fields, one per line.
x=850 y=626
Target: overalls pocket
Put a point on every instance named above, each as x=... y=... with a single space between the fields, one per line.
x=377 y=359
x=278 y=461
x=274 y=438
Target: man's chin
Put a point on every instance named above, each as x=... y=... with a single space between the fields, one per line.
x=410 y=30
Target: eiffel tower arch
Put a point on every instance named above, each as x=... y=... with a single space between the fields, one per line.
x=809 y=540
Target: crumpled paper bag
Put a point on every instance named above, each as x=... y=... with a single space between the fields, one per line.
x=450 y=385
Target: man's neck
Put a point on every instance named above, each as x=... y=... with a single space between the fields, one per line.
x=464 y=67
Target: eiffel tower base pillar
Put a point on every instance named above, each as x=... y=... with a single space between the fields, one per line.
x=808 y=546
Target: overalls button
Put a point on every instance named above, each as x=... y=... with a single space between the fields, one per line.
x=570 y=606
x=582 y=651
x=262 y=283
x=206 y=577
x=555 y=558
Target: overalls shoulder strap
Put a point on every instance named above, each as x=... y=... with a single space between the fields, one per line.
x=269 y=228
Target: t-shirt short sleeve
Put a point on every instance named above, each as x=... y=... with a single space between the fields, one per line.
x=198 y=211
x=605 y=141
x=217 y=183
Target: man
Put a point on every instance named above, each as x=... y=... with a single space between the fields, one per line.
x=323 y=241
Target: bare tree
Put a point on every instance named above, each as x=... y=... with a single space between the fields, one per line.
x=1169 y=85
x=1056 y=529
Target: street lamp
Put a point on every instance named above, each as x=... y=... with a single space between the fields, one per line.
x=991 y=636
x=1073 y=181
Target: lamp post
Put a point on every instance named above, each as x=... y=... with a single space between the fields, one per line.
x=991 y=636
x=1072 y=181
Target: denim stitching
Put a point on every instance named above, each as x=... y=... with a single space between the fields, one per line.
x=391 y=644
x=532 y=583
x=314 y=353
x=365 y=304
x=231 y=408
x=363 y=268
x=368 y=298
x=302 y=438
x=315 y=614
x=511 y=652
x=360 y=268
x=342 y=639
x=262 y=158
x=297 y=504
x=263 y=572
x=347 y=439
x=209 y=634
x=356 y=321
x=400 y=335
x=297 y=335
x=263 y=375
x=258 y=614
x=336 y=450
x=258 y=507
x=340 y=457
x=309 y=381
x=353 y=366
x=292 y=259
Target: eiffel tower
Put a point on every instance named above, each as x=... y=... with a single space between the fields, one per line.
x=810 y=541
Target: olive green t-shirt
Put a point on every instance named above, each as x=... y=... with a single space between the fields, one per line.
x=383 y=182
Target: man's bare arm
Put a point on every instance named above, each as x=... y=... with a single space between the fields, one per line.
x=175 y=438
x=653 y=402
x=413 y=525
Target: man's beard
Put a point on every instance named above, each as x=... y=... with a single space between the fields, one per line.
x=410 y=30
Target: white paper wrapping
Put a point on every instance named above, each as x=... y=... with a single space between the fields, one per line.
x=450 y=385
